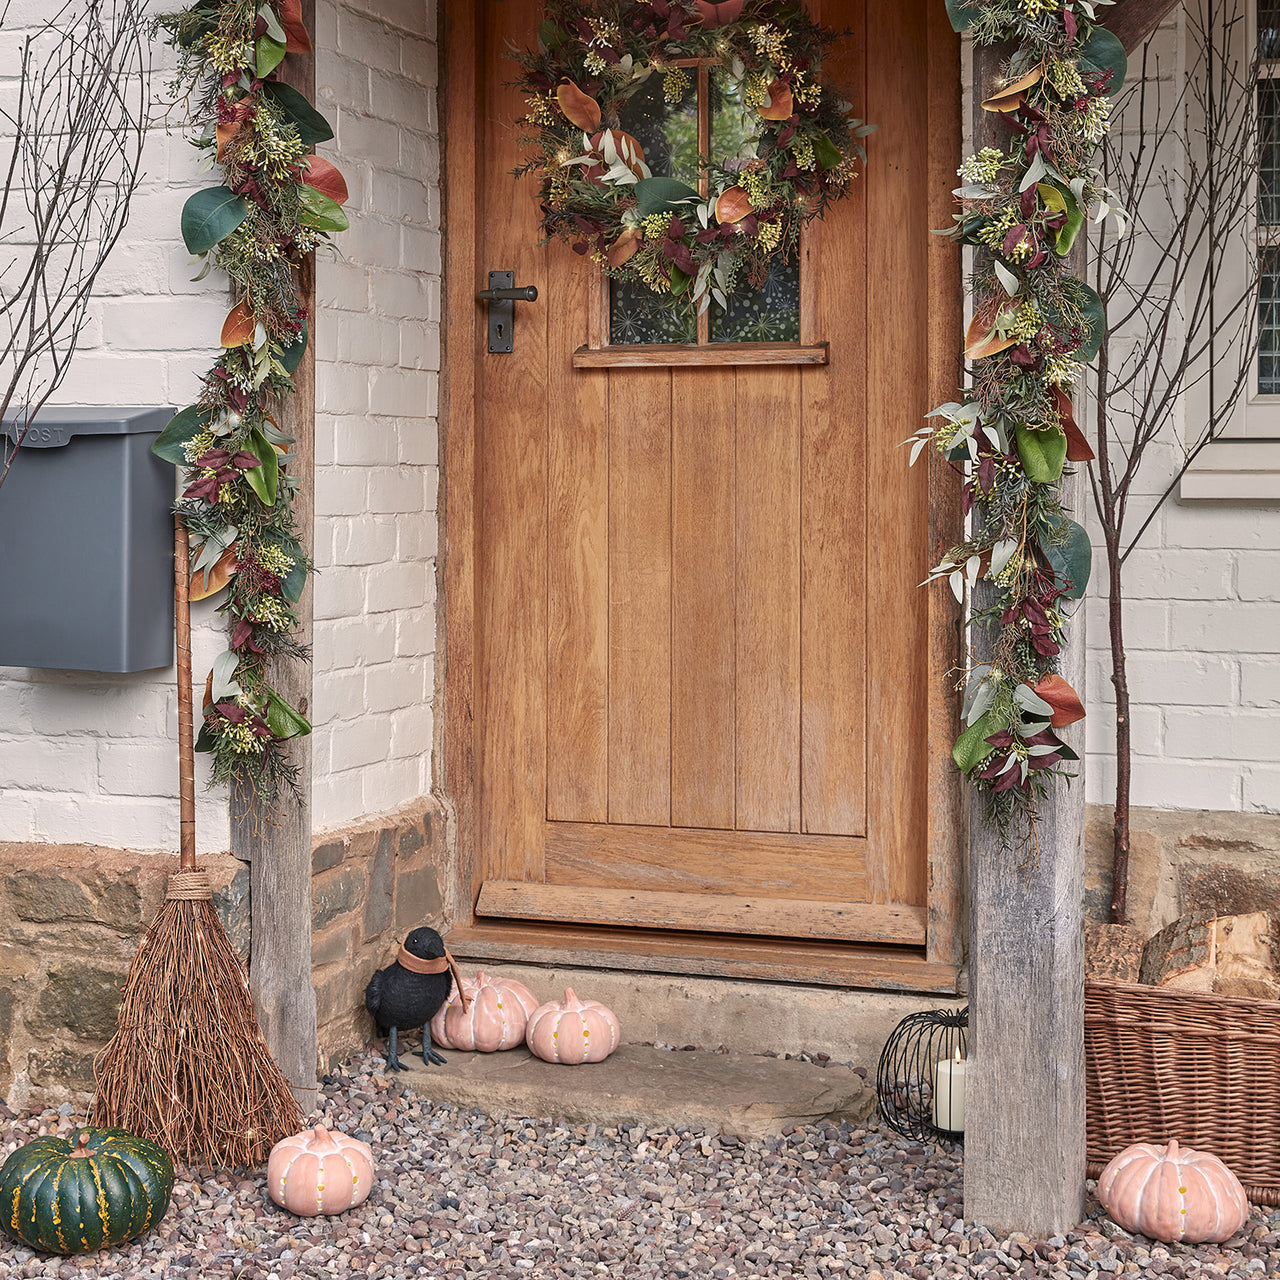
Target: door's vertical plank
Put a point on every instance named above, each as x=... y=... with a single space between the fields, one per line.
x=768 y=599
x=703 y=656
x=640 y=596
x=898 y=243
x=512 y=451
x=833 y=488
x=577 y=556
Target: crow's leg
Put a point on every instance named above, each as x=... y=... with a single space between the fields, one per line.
x=393 y=1062
x=429 y=1055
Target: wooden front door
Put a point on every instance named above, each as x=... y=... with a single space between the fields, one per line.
x=689 y=658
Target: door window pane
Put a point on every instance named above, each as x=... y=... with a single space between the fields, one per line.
x=1269 y=324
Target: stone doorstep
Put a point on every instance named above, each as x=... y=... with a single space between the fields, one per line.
x=740 y=1094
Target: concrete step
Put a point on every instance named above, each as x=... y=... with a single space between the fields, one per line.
x=745 y=1095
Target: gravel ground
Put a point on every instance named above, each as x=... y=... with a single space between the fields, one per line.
x=463 y=1195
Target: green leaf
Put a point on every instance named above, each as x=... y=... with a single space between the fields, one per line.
x=225 y=685
x=1067 y=233
x=971 y=747
x=679 y=281
x=272 y=24
x=293 y=582
x=1073 y=561
x=263 y=480
x=1042 y=453
x=319 y=211
x=1103 y=52
x=963 y=13
x=204 y=741
x=313 y=128
x=827 y=153
x=270 y=54
x=180 y=430
x=283 y=720
x=210 y=216
x=291 y=357
x=662 y=195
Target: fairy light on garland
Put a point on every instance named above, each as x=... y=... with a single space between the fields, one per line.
x=276 y=203
x=1034 y=328
x=597 y=190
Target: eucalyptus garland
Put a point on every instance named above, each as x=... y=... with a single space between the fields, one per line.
x=275 y=204
x=798 y=147
x=1034 y=328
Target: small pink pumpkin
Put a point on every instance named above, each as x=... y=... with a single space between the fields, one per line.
x=496 y=1016
x=572 y=1031
x=1173 y=1194
x=318 y=1172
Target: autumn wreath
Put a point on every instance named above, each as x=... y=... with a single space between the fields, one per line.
x=799 y=147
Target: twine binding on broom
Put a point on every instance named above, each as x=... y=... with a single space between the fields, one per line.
x=188 y=1066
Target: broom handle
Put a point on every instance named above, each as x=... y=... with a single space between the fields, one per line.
x=186 y=747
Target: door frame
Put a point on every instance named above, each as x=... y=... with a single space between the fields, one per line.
x=936 y=966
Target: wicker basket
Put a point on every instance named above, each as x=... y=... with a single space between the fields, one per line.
x=1204 y=1069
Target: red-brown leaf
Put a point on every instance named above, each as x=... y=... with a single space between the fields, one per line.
x=239 y=325
x=1078 y=447
x=780 y=106
x=1012 y=96
x=327 y=179
x=578 y=108
x=624 y=247
x=226 y=135
x=219 y=576
x=981 y=339
x=296 y=38
x=1065 y=701
x=732 y=205
x=718 y=15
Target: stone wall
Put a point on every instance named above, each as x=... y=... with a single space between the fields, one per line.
x=72 y=916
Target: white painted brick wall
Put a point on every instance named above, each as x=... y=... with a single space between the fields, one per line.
x=377 y=390
x=91 y=758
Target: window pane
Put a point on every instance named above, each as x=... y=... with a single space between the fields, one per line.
x=638 y=314
x=1269 y=324
x=1269 y=148
x=1268 y=29
x=667 y=132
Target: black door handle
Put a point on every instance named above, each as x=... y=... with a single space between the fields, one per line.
x=502 y=296
x=528 y=294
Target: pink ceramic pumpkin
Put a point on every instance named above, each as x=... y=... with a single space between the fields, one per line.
x=495 y=1018
x=1172 y=1194
x=572 y=1031
x=318 y=1172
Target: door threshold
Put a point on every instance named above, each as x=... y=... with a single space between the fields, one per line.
x=863 y=966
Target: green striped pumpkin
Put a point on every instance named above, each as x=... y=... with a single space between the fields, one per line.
x=108 y=1188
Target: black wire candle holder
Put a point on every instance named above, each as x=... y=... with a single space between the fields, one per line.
x=920 y=1079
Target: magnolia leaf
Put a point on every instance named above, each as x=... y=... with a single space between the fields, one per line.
x=225 y=134
x=210 y=215
x=283 y=720
x=1012 y=96
x=1052 y=689
x=1095 y=318
x=295 y=29
x=313 y=128
x=578 y=108
x=1067 y=233
x=781 y=105
x=662 y=195
x=982 y=339
x=327 y=178
x=181 y=429
x=271 y=23
x=293 y=581
x=1042 y=453
x=827 y=154
x=1072 y=561
x=208 y=580
x=624 y=248
x=679 y=281
x=963 y=13
x=204 y=739
x=239 y=326
x=263 y=480
x=268 y=55
x=732 y=205
x=291 y=357
x=1078 y=447
x=224 y=670
x=318 y=211
x=971 y=747
x=1103 y=52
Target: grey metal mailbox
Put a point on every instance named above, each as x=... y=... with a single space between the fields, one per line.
x=86 y=543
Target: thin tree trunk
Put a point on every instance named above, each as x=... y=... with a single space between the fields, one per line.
x=1124 y=743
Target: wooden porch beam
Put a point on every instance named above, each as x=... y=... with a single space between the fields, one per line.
x=278 y=846
x=1024 y=1158
x=1132 y=21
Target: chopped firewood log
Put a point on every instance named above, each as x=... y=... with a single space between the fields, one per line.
x=1112 y=952
x=1226 y=955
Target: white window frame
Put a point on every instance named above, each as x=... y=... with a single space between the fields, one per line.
x=1243 y=463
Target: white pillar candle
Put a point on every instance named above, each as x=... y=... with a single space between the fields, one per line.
x=948 y=1094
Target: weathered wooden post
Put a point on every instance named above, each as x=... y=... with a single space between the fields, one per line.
x=277 y=845
x=1024 y=1155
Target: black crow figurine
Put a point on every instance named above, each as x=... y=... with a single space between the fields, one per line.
x=409 y=991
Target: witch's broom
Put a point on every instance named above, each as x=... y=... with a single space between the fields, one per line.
x=188 y=1066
